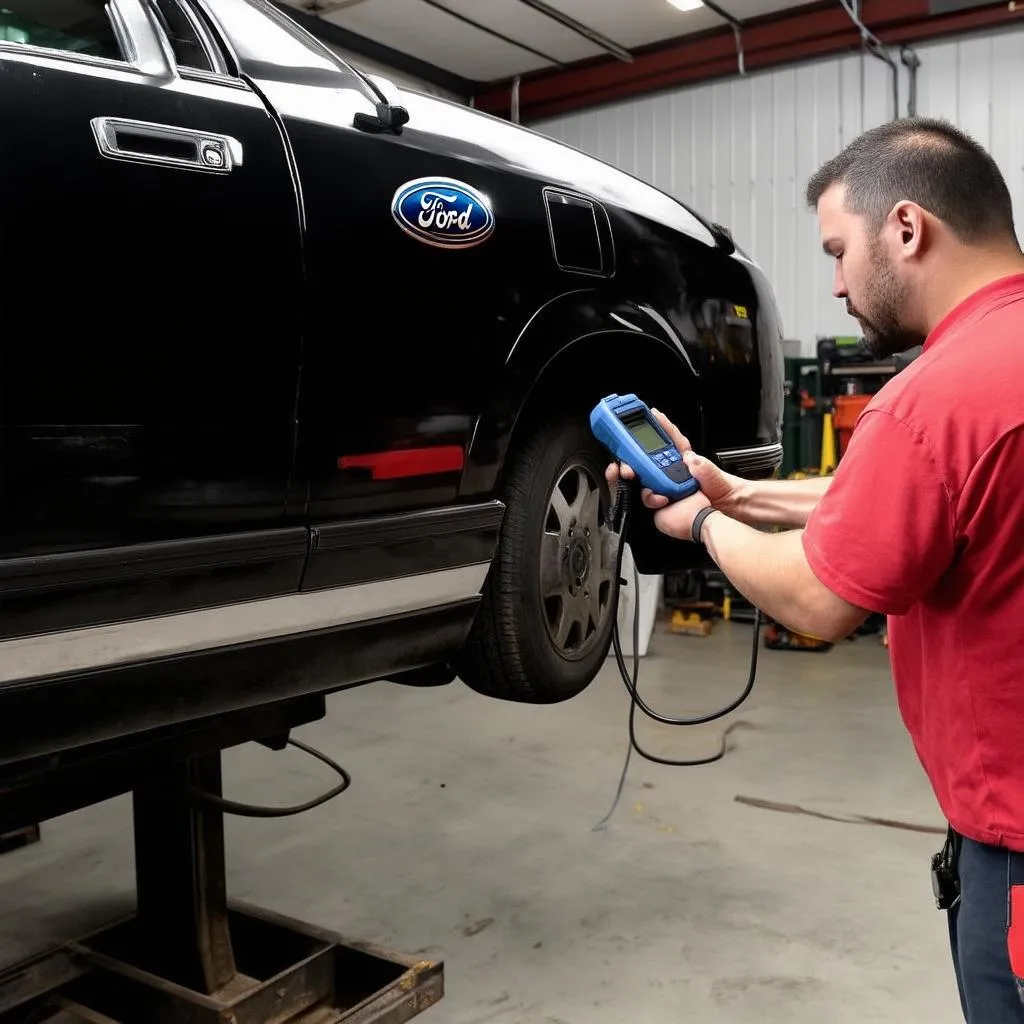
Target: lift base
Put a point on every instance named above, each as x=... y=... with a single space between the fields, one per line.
x=188 y=955
x=288 y=973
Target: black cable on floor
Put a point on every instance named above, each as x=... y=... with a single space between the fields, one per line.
x=256 y=811
x=621 y=512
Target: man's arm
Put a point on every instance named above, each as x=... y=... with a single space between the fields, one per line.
x=772 y=572
x=783 y=503
x=786 y=504
x=880 y=539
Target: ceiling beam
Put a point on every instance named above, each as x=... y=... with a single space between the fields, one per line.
x=606 y=44
x=494 y=33
x=402 y=62
x=792 y=36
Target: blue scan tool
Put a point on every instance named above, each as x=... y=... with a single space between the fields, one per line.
x=627 y=428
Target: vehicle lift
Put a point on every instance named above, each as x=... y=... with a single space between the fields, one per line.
x=188 y=954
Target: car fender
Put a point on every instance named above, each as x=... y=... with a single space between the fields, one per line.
x=599 y=329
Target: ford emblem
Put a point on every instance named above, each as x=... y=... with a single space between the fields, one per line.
x=443 y=212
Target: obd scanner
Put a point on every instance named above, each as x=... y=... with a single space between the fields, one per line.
x=628 y=429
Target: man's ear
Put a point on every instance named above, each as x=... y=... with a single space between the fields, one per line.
x=908 y=223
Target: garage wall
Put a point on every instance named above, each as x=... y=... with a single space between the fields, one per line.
x=740 y=150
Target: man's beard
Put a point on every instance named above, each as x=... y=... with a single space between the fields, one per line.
x=885 y=302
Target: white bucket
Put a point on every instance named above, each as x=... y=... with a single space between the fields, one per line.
x=649 y=599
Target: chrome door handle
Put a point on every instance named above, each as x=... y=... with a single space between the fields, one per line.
x=143 y=142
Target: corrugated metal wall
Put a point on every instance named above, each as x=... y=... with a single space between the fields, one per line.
x=741 y=150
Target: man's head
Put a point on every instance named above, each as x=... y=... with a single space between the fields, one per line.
x=901 y=204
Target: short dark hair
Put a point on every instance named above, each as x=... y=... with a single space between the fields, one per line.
x=926 y=161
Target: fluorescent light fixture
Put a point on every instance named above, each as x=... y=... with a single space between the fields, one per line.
x=687 y=5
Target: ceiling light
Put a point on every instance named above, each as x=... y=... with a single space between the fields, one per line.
x=687 y=5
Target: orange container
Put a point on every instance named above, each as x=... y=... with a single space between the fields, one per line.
x=844 y=417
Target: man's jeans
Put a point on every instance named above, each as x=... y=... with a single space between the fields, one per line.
x=986 y=931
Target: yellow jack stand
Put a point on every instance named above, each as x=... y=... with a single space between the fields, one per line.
x=828 y=446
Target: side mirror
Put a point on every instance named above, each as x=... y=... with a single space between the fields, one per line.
x=723 y=238
x=387 y=119
x=394 y=117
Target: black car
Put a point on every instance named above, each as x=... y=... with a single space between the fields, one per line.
x=296 y=372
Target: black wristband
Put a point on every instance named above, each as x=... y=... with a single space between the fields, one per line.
x=698 y=523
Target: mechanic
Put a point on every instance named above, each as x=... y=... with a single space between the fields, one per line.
x=924 y=518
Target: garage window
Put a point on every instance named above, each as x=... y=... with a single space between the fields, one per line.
x=77 y=26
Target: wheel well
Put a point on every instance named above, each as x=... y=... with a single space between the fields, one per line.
x=588 y=369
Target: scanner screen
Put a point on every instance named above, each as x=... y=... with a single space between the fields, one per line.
x=645 y=432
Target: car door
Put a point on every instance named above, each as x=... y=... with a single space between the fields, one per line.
x=396 y=319
x=150 y=252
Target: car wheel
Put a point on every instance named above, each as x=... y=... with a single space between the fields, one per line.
x=545 y=623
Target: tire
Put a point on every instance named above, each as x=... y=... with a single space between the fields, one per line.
x=545 y=623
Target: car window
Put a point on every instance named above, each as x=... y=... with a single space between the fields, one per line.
x=188 y=49
x=78 y=26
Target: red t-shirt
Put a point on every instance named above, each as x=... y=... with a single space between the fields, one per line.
x=924 y=521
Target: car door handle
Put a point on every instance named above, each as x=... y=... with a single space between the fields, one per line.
x=144 y=142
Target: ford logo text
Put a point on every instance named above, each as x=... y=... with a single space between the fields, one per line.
x=443 y=212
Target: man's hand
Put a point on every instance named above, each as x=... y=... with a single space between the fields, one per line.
x=676 y=520
x=723 y=490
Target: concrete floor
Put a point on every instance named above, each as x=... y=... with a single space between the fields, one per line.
x=468 y=836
